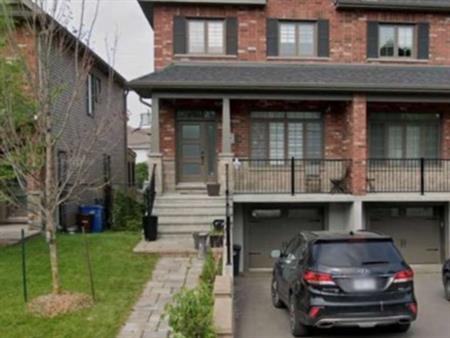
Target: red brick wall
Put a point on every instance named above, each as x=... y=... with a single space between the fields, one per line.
x=356 y=143
x=347 y=28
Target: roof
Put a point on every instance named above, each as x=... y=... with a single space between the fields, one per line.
x=333 y=236
x=411 y=5
x=23 y=8
x=147 y=5
x=296 y=77
x=138 y=137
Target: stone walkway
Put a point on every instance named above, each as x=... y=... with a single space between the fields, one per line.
x=170 y=275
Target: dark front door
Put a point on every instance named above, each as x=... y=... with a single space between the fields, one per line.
x=196 y=156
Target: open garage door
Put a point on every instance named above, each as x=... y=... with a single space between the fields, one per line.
x=268 y=227
x=415 y=230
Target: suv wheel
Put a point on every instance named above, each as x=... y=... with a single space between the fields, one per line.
x=297 y=328
x=447 y=289
x=276 y=301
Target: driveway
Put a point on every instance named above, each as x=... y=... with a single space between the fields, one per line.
x=256 y=318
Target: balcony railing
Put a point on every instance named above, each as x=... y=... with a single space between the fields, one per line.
x=291 y=176
x=408 y=175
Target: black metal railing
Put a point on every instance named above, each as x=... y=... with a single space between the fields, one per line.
x=408 y=175
x=291 y=176
x=227 y=214
x=150 y=193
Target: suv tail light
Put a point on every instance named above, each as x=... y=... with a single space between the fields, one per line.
x=318 y=278
x=404 y=276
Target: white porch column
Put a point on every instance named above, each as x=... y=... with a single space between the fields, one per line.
x=356 y=221
x=155 y=156
x=226 y=155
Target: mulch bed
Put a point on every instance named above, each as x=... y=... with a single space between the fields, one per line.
x=53 y=305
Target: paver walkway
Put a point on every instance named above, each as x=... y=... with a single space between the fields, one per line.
x=170 y=275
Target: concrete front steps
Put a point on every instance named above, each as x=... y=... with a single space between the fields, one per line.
x=183 y=214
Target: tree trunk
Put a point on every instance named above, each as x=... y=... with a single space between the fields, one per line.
x=54 y=261
x=49 y=200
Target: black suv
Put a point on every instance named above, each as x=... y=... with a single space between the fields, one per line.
x=446 y=278
x=331 y=279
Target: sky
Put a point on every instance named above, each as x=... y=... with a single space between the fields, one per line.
x=123 y=23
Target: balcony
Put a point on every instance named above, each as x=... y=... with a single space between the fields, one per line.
x=291 y=176
x=408 y=175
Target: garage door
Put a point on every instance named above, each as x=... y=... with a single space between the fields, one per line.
x=268 y=228
x=415 y=230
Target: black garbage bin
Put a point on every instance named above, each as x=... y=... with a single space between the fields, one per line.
x=236 y=258
x=150 y=224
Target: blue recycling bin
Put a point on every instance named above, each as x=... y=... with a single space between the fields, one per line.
x=98 y=213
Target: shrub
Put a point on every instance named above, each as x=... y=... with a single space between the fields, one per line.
x=141 y=174
x=127 y=213
x=209 y=270
x=190 y=313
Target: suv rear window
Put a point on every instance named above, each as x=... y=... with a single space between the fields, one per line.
x=351 y=254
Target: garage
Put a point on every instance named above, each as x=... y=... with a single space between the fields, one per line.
x=418 y=230
x=266 y=228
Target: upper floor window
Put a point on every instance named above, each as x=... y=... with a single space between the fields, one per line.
x=298 y=39
x=397 y=41
x=93 y=87
x=206 y=36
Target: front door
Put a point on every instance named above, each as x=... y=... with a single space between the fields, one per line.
x=196 y=155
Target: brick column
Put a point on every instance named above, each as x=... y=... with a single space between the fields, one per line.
x=356 y=142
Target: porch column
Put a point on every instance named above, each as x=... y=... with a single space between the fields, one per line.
x=357 y=143
x=356 y=221
x=155 y=156
x=226 y=155
x=226 y=126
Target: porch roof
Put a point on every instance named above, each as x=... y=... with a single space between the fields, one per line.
x=411 y=5
x=263 y=77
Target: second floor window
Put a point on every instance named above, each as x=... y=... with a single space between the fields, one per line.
x=397 y=41
x=281 y=135
x=298 y=39
x=404 y=136
x=93 y=87
x=206 y=36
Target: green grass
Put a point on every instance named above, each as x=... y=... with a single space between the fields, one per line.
x=119 y=277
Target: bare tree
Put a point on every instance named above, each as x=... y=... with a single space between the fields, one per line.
x=51 y=71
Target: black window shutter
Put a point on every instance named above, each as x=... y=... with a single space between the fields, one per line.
x=179 y=35
x=272 y=37
x=423 y=40
x=232 y=36
x=372 y=39
x=323 y=27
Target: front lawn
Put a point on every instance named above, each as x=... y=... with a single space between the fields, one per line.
x=119 y=277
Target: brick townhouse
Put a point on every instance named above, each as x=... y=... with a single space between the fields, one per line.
x=101 y=97
x=320 y=114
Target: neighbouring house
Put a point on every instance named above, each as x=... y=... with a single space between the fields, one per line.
x=102 y=97
x=139 y=142
x=325 y=114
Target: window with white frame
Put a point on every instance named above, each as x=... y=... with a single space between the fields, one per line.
x=206 y=36
x=298 y=39
x=397 y=41
x=93 y=88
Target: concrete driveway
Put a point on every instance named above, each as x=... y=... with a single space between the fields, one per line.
x=256 y=318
